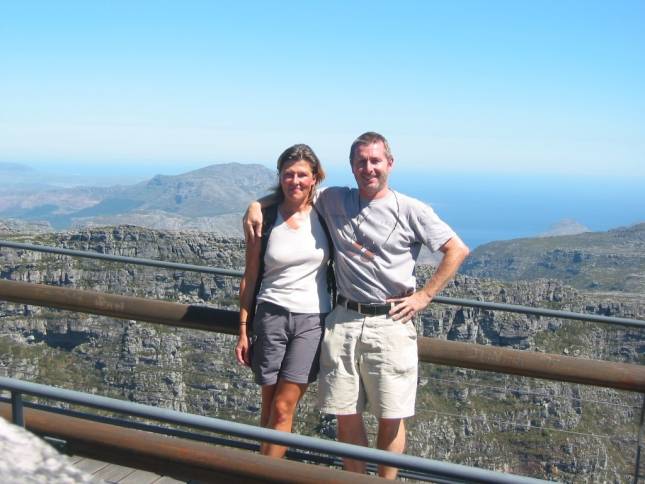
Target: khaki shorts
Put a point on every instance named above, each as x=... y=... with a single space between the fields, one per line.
x=368 y=361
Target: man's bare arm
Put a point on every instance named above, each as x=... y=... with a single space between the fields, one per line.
x=252 y=221
x=454 y=253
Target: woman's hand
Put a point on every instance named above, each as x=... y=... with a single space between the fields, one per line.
x=242 y=350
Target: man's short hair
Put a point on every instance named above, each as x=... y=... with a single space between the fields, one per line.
x=370 y=138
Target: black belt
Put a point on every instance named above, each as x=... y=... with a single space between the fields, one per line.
x=365 y=309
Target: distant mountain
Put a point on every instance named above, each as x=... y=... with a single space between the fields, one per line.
x=229 y=224
x=603 y=261
x=14 y=168
x=565 y=226
x=204 y=199
x=12 y=226
x=213 y=190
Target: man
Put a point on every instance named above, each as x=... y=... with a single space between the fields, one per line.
x=369 y=351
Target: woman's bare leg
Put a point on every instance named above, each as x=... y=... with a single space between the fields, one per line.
x=267 y=400
x=282 y=409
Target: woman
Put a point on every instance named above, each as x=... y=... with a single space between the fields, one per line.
x=287 y=271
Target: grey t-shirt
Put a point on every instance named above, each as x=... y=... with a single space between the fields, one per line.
x=377 y=242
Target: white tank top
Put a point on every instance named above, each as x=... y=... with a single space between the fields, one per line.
x=295 y=267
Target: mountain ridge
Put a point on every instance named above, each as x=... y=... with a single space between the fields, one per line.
x=198 y=198
x=613 y=260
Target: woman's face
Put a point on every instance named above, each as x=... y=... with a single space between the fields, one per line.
x=297 y=180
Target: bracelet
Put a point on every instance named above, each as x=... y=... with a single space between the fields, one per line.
x=242 y=323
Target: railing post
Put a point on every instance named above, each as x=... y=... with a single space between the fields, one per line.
x=17 y=414
x=639 y=443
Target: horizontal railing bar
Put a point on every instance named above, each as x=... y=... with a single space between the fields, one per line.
x=122 y=307
x=595 y=318
x=133 y=424
x=180 y=458
x=554 y=313
x=263 y=434
x=292 y=454
x=549 y=366
x=452 y=353
x=121 y=258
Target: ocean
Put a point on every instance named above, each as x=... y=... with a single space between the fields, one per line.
x=486 y=207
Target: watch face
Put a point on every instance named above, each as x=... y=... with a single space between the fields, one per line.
x=365 y=253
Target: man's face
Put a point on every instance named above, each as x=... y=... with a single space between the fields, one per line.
x=371 y=168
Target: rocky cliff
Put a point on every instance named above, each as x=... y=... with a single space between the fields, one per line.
x=599 y=261
x=545 y=429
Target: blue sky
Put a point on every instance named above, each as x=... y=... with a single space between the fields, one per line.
x=545 y=87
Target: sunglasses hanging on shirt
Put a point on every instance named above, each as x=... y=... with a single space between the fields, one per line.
x=365 y=252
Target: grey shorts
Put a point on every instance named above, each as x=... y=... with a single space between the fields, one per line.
x=285 y=345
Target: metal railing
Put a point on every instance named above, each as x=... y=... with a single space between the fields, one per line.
x=514 y=308
x=120 y=258
x=501 y=360
x=188 y=455
x=431 y=350
x=418 y=464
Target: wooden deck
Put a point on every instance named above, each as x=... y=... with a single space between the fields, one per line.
x=112 y=473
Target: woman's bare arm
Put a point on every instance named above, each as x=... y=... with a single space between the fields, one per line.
x=247 y=290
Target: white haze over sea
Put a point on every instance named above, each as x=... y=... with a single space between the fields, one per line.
x=480 y=207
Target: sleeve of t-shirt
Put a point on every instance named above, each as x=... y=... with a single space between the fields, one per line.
x=317 y=193
x=430 y=229
x=322 y=199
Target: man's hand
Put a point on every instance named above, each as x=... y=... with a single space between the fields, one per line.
x=454 y=253
x=253 y=222
x=407 y=307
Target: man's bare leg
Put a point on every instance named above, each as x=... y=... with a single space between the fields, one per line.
x=351 y=430
x=391 y=437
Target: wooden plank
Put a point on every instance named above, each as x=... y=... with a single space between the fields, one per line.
x=114 y=473
x=140 y=477
x=168 y=480
x=90 y=465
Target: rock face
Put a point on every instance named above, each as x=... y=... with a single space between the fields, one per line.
x=545 y=429
x=16 y=226
x=599 y=261
x=28 y=459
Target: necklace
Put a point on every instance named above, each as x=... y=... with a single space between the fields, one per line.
x=365 y=252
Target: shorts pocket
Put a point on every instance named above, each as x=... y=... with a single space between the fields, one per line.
x=403 y=352
x=332 y=348
x=412 y=329
x=330 y=319
x=252 y=340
